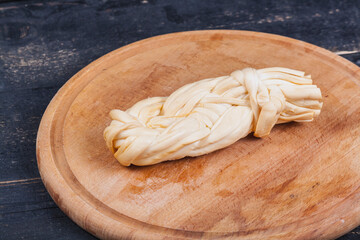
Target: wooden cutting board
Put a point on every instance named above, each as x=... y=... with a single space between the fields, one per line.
x=301 y=182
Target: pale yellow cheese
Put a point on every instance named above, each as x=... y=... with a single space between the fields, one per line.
x=210 y=114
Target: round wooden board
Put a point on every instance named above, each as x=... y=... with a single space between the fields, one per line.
x=301 y=182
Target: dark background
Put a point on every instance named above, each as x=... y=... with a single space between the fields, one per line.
x=44 y=43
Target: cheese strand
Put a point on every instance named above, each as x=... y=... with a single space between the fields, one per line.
x=211 y=114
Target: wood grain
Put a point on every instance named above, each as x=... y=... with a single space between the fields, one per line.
x=302 y=182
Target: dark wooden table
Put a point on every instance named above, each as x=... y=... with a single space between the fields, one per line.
x=42 y=44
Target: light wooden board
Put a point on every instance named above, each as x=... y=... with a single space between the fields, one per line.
x=301 y=182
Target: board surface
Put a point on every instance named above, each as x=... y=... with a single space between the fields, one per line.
x=301 y=182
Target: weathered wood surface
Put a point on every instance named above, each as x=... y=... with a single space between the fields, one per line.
x=43 y=44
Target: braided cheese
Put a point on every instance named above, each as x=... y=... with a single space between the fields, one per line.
x=210 y=114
